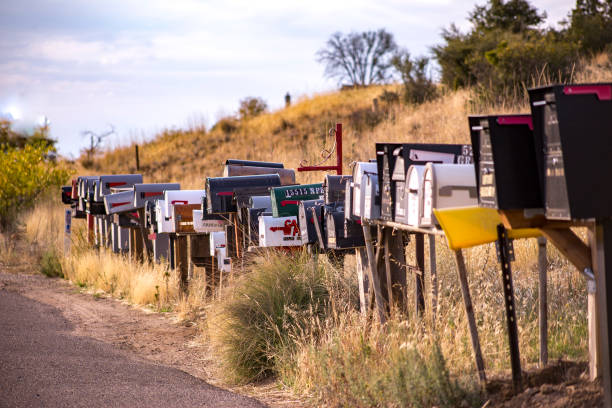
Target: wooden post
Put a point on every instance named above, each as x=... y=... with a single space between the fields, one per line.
x=398 y=269
x=182 y=260
x=543 y=301
x=373 y=272
x=135 y=245
x=434 y=276
x=90 y=229
x=592 y=313
x=387 y=232
x=146 y=244
x=361 y=263
x=137 y=158
x=603 y=247
x=420 y=274
x=469 y=312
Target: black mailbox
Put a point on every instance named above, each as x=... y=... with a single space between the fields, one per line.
x=505 y=162
x=67 y=194
x=251 y=163
x=252 y=233
x=220 y=191
x=339 y=237
x=334 y=188
x=150 y=216
x=571 y=124
x=306 y=222
x=385 y=160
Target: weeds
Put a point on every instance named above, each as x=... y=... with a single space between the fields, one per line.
x=50 y=264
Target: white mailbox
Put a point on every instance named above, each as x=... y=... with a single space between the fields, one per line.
x=207 y=226
x=217 y=240
x=119 y=202
x=224 y=264
x=105 y=183
x=164 y=207
x=414 y=193
x=371 y=210
x=447 y=186
x=358 y=193
x=152 y=191
x=279 y=232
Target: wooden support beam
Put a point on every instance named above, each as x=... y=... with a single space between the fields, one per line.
x=398 y=269
x=434 y=276
x=90 y=230
x=469 y=312
x=571 y=246
x=420 y=274
x=543 y=301
x=146 y=244
x=373 y=272
x=182 y=261
x=362 y=265
x=387 y=240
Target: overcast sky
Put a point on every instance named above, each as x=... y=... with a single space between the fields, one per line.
x=145 y=65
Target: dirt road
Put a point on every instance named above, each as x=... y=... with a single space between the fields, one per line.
x=61 y=347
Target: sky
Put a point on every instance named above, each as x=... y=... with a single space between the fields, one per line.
x=141 y=66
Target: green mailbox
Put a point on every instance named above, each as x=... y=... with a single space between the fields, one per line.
x=285 y=200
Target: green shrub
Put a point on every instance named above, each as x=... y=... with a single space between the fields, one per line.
x=50 y=264
x=259 y=321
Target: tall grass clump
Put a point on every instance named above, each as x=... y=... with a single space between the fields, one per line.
x=259 y=320
x=396 y=365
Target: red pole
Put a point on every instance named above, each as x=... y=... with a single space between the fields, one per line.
x=338 y=166
x=339 y=147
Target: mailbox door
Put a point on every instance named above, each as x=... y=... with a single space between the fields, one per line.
x=358 y=182
x=217 y=241
x=221 y=190
x=279 y=232
x=119 y=202
x=285 y=200
x=401 y=202
x=487 y=191
x=334 y=188
x=306 y=222
x=414 y=193
x=371 y=210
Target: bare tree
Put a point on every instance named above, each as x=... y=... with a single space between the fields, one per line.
x=359 y=58
x=95 y=140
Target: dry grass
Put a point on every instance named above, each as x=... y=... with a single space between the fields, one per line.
x=331 y=368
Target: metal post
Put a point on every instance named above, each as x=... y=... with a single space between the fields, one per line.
x=339 y=148
x=505 y=254
x=543 y=301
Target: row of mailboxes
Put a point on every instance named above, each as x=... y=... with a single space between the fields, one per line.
x=554 y=158
x=394 y=160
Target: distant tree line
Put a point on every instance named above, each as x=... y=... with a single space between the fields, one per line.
x=506 y=47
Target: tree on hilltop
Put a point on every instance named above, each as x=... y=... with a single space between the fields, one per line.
x=359 y=58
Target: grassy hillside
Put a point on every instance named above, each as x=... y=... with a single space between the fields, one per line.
x=299 y=132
